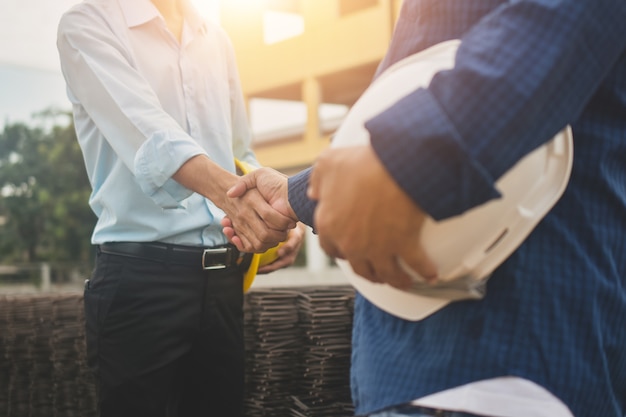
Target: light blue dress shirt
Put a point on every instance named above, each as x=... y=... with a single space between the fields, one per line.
x=144 y=104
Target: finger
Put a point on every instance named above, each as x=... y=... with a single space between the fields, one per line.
x=388 y=270
x=264 y=238
x=324 y=241
x=254 y=233
x=287 y=253
x=250 y=235
x=418 y=261
x=281 y=262
x=229 y=232
x=241 y=244
x=273 y=218
x=282 y=206
x=243 y=184
x=236 y=240
x=264 y=210
x=286 y=248
x=364 y=268
x=259 y=244
x=324 y=235
x=330 y=249
x=293 y=242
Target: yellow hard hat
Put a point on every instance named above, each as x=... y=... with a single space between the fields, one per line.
x=258 y=259
x=466 y=248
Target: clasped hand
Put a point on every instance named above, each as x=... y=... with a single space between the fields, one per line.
x=272 y=186
x=362 y=214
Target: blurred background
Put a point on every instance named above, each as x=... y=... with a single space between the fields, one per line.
x=302 y=64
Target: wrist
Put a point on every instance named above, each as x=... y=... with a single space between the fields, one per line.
x=205 y=177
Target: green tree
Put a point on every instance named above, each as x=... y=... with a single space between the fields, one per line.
x=44 y=194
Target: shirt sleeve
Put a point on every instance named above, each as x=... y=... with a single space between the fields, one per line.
x=123 y=107
x=300 y=203
x=522 y=73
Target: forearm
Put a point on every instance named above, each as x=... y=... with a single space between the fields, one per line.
x=522 y=73
x=203 y=176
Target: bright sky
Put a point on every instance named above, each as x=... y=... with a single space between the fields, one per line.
x=28 y=30
x=30 y=77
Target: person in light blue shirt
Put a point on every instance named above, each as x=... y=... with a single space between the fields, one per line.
x=160 y=118
x=549 y=337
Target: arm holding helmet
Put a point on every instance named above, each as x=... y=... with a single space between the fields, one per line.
x=441 y=149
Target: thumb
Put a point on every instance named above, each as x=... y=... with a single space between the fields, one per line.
x=243 y=184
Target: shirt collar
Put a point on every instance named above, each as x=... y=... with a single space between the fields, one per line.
x=193 y=18
x=138 y=12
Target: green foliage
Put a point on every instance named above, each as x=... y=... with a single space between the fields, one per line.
x=44 y=192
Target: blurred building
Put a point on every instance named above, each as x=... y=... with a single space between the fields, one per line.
x=302 y=64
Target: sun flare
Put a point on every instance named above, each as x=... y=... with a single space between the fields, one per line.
x=208 y=8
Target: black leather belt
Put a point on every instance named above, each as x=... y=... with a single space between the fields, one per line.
x=218 y=257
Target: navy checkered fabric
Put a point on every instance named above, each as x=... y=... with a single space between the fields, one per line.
x=298 y=200
x=555 y=311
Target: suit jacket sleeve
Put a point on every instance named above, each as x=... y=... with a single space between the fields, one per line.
x=300 y=203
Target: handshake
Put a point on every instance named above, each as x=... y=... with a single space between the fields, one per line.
x=359 y=213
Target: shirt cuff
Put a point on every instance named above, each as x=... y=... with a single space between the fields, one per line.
x=423 y=152
x=157 y=160
x=300 y=203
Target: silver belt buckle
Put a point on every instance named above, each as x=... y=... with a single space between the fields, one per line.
x=210 y=252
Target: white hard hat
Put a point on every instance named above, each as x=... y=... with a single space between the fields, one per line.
x=468 y=247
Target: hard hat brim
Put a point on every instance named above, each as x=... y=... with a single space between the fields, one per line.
x=468 y=247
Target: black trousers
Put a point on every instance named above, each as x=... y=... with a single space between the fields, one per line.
x=165 y=340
